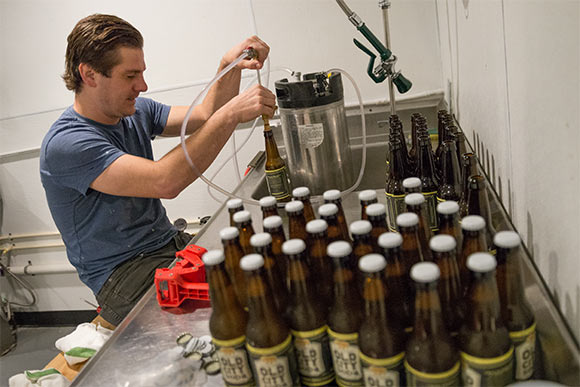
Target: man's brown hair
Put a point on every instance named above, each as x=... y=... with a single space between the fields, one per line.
x=94 y=40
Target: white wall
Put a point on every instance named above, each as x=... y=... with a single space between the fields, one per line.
x=514 y=68
x=184 y=41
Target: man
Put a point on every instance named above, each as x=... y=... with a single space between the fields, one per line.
x=102 y=185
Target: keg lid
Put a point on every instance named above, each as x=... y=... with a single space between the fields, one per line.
x=300 y=192
x=316 y=226
x=268 y=201
x=213 y=257
x=412 y=182
x=251 y=262
x=376 y=209
x=481 y=262
x=425 y=272
x=338 y=249
x=229 y=233
x=272 y=222
x=260 y=239
x=331 y=194
x=294 y=206
x=328 y=209
x=371 y=263
x=390 y=240
x=507 y=239
x=234 y=203
x=293 y=246
x=360 y=227
x=414 y=199
x=407 y=219
x=315 y=89
x=448 y=207
x=242 y=216
x=442 y=243
x=473 y=223
x=367 y=195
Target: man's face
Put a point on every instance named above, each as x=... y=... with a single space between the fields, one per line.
x=116 y=94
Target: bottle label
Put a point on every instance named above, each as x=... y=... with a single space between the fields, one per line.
x=344 y=349
x=395 y=206
x=275 y=366
x=419 y=378
x=525 y=351
x=235 y=367
x=497 y=371
x=431 y=205
x=310 y=135
x=382 y=372
x=278 y=185
x=313 y=355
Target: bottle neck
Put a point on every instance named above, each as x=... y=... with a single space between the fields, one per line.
x=397 y=167
x=426 y=166
x=221 y=290
x=483 y=305
x=428 y=316
x=450 y=174
x=260 y=301
x=374 y=295
x=317 y=243
x=346 y=291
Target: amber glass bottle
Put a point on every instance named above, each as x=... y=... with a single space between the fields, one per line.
x=411 y=248
x=307 y=319
x=478 y=204
x=234 y=205
x=412 y=185
x=448 y=215
x=227 y=323
x=515 y=309
x=432 y=359
x=450 y=183
x=318 y=263
x=268 y=338
x=243 y=221
x=460 y=145
x=268 y=207
x=414 y=151
x=277 y=176
x=394 y=190
x=296 y=220
x=362 y=242
x=486 y=349
x=429 y=181
x=273 y=226
x=377 y=215
x=329 y=212
x=473 y=229
x=366 y=198
x=416 y=204
x=469 y=168
x=303 y=194
x=441 y=116
x=233 y=254
x=333 y=196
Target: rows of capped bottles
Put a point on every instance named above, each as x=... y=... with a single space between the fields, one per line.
x=369 y=307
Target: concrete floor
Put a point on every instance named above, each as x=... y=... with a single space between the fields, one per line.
x=34 y=349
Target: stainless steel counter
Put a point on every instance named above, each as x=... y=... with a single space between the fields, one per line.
x=150 y=330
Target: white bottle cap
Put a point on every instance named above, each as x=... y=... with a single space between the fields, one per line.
x=414 y=199
x=260 y=239
x=389 y=240
x=407 y=219
x=316 y=226
x=448 y=207
x=412 y=182
x=229 y=233
x=328 y=209
x=294 y=206
x=234 y=203
x=367 y=195
x=425 y=272
x=376 y=209
x=213 y=257
x=339 y=249
x=507 y=239
x=371 y=263
x=360 y=227
x=268 y=201
x=473 y=223
x=242 y=216
x=251 y=262
x=331 y=194
x=293 y=246
x=442 y=243
x=300 y=192
x=481 y=262
x=272 y=222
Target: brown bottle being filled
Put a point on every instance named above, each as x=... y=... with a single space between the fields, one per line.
x=450 y=183
x=486 y=349
x=227 y=323
x=268 y=207
x=243 y=221
x=345 y=317
x=307 y=319
x=366 y=198
x=448 y=216
x=329 y=212
x=303 y=194
x=515 y=309
x=381 y=339
x=429 y=181
x=411 y=249
x=234 y=205
x=394 y=190
x=377 y=215
x=233 y=254
x=469 y=168
x=473 y=229
x=416 y=204
x=450 y=291
x=268 y=338
x=318 y=262
x=432 y=358
x=273 y=226
x=296 y=220
x=362 y=242
x=333 y=196
x=478 y=204
x=277 y=176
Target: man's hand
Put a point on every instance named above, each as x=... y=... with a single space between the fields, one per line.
x=252 y=103
x=261 y=48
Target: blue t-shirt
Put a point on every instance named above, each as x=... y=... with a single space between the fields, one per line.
x=101 y=231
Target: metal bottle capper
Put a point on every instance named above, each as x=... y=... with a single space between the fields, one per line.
x=315 y=133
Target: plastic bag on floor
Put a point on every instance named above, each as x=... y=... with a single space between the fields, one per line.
x=83 y=343
x=39 y=378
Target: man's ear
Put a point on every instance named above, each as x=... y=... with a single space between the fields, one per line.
x=88 y=74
